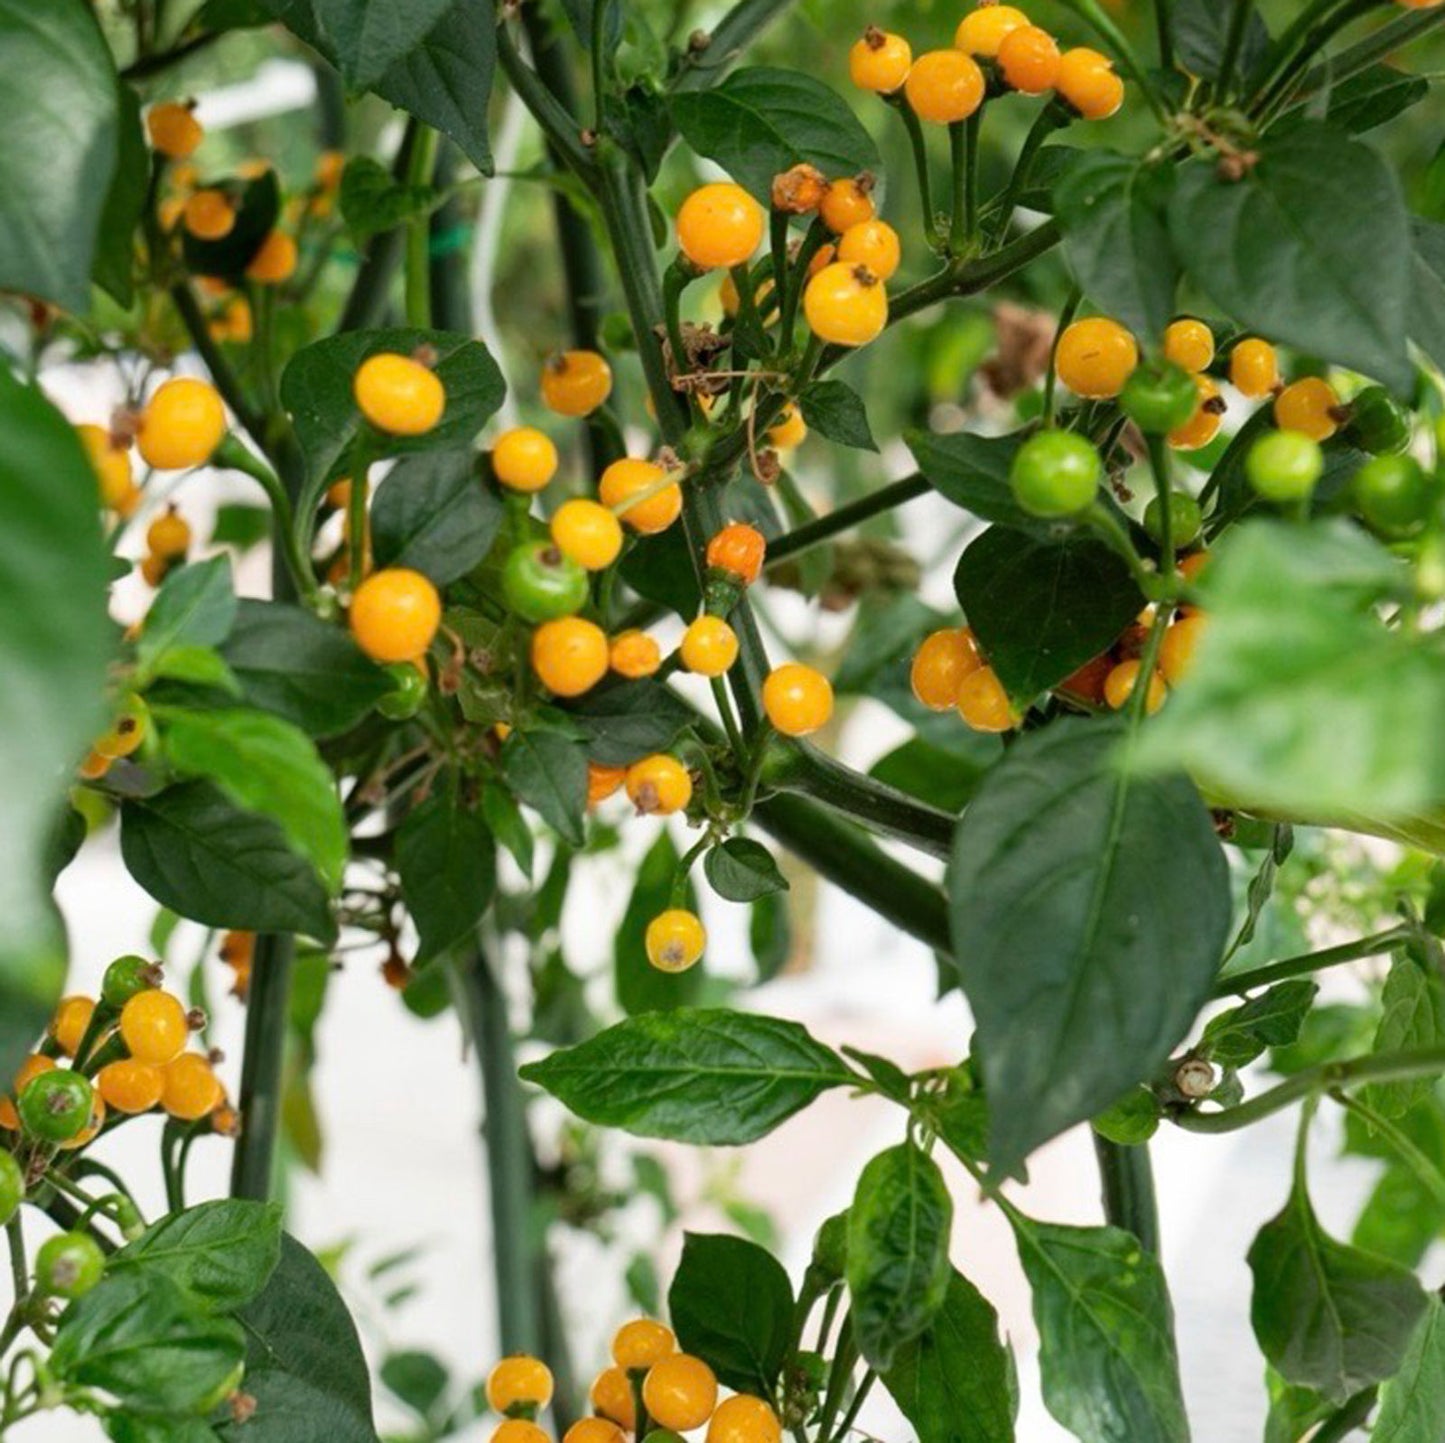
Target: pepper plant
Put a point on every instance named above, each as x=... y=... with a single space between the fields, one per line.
x=1154 y=299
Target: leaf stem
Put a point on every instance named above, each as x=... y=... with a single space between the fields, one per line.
x=1126 y=1177
x=728 y=38
x=1312 y=1081
x=845 y=518
x=1048 y=120
x=1428 y=1175
x=922 y=174
x=234 y=454
x=1239 y=984
x=418 y=233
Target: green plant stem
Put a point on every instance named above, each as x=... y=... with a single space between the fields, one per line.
x=729 y=37
x=972 y=132
x=233 y=453
x=259 y=1100
x=879 y=808
x=598 y=52
x=846 y=856
x=1312 y=1081
x=922 y=174
x=418 y=233
x=860 y=1396
x=1239 y=13
x=558 y=124
x=845 y=518
x=19 y=1282
x=508 y=1152
x=1051 y=374
x=144 y=66
x=959 y=162
x=1164 y=29
x=1360 y=56
x=1238 y=984
x=1304 y=38
x=1126 y=1177
x=1112 y=530
x=1049 y=119
x=840 y=1373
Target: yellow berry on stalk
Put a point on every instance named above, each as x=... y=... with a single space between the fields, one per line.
x=575 y=383
x=944 y=86
x=1189 y=344
x=1253 y=368
x=847 y=202
x=520 y=1380
x=569 y=655
x=719 y=225
x=879 y=61
x=874 y=244
x=940 y=664
x=111 y=463
x=275 y=262
x=181 y=425
x=789 y=430
x=634 y=654
x=984 y=29
x=395 y=614
x=846 y=304
x=680 y=1392
x=174 y=130
x=675 y=940
x=1086 y=79
x=1310 y=406
x=658 y=785
x=984 y=704
x=68 y=1025
x=641 y=1343
x=1094 y=357
x=190 y=1089
x=797 y=699
x=209 y=215
x=588 y=532
x=1202 y=427
x=658 y=503
x=611 y=1397
x=1120 y=683
x=709 y=646
x=524 y=459
x=398 y=394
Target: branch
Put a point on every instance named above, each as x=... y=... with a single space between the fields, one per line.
x=563 y=132
x=267 y=1024
x=1127 y=1179
x=727 y=40
x=1237 y=984
x=814 y=533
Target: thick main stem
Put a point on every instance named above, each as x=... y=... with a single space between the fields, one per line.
x=262 y=1062
x=1126 y=1177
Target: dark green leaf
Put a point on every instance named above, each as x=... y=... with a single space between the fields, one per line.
x=240 y=525
x=1062 y=860
x=972 y=472
x=898 y=1232
x=133 y=1428
x=372 y=201
x=1414 y=1016
x=196 y=606
x=447 y=862
x=201 y=666
x=1336 y=200
x=420 y=1380
x=1133 y=1119
x=1201 y=31
x=222 y=1253
x=1273 y=1019
x=304 y=1364
x=1042 y=608
x=641 y=987
x=770 y=935
x=290 y=662
x=1301 y=701
x=508 y=825
x=742 y=870
x=433 y=514
x=60 y=150
x=761 y=121
x=626 y=720
x=1113 y=211
x=53 y=657
x=316 y=390
x=1374 y=97
x=548 y=772
x=1427 y=289
x=268 y=766
x=199 y=854
x=1328 y=1316
x=835 y=410
x=659 y=568
x=113 y=269
x=693 y=1075
x=732 y=1306
x=370 y=36
x=944 y=778
x=1412 y=1403
x=257 y=210
x=1106 y=1333
x=887 y=630
x=149 y=1344
x=955 y=1382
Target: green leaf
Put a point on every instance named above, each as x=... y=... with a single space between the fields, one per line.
x=1133 y=1119
x=222 y=1252
x=53 y=656
x=1301 y=703
x=1106 y=1333
x=1273 y=1019
x=60 y=151
x=1412 y=1403
x=1113 y=211
x=732 y=1306
x=1414 y=1016
x=886 y=633
x=433 y=514
x=1042 y=608
x=898 y=1232
x=448 y=866
x=445 y=80
x=290 y=662
x=835 y=410
x=947 y=779
x=625 y=720
x=703 y=1076
x=316 y=390
x=761 y=121
x=268 y=766
x=742 y=870
x=370 y=36
x=199 y=854
x=113 y=269
x=641 y=987
x=1374 y=97
x=955 y=1382
x=548 y=772
x=1066 y=887
x=304 y=1364
x=1427 y=289
x=1201 y=31
x=201 y=666
x=1328 y=1316
x=147 y=1343
x=507 y=824
x=419 y=1380
x=195 y=606
x=770 y=935
x=659 y=568
x=133 y=1428
x=1280 y=249
x=972 y=472
x=241 y=525
x=372 y=201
